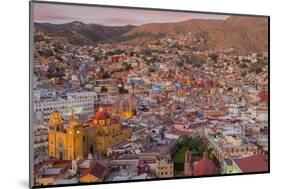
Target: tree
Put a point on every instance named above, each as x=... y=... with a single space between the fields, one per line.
x=243 y=74
x=151 y=69
x=214 y=57
x=97 y=57
x=191 y=144
x=122 y=90
x=127 y=66
x=243 y=65
x=258 y=70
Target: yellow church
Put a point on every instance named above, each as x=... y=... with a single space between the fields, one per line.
x=78 y=140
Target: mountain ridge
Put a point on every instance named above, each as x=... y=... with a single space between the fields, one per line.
x=245 y=34
x=80 y=33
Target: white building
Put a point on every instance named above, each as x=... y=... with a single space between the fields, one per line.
x=260 y=114
x=40 y=143
x=234 y=110
x=78 y=103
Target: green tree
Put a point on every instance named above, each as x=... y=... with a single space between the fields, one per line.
x=258 y=70
x=243 y=74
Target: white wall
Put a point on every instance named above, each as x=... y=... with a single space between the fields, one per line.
x=14 y=92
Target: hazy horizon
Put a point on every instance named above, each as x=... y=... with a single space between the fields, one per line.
x=107 y=16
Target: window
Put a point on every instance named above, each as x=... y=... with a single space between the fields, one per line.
x=108 y=122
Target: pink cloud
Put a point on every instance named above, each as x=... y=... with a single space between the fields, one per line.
x=59 y=13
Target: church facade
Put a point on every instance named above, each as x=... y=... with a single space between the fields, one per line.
x=77 y=140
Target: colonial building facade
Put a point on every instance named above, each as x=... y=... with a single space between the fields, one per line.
x=77 y=140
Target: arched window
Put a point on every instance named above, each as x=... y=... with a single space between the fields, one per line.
x=101 y=122
x=108 y=121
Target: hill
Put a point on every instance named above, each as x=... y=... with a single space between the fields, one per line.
x=80 y=33
x=244 y=34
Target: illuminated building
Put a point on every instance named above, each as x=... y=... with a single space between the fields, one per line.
x=164 y=166
x=226 y=146
x=76 y=141
x=127 y=106
x=108 y=132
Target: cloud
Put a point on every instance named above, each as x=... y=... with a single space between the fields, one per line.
x=45 y=17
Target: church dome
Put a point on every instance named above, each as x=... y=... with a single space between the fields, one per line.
x=101 y=114
x=204 y=166
x=101 y=117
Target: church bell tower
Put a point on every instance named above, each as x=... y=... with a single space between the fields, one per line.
x=74 y=139
x=55 y=124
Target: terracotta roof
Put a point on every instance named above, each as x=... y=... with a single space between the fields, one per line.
x=96 y=169
x=263 y=96
x=204 y=166
x=256 y=163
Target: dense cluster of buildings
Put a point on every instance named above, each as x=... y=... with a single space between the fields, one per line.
x=103 y=114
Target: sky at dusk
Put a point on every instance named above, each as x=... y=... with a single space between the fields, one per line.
x=58 y=14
